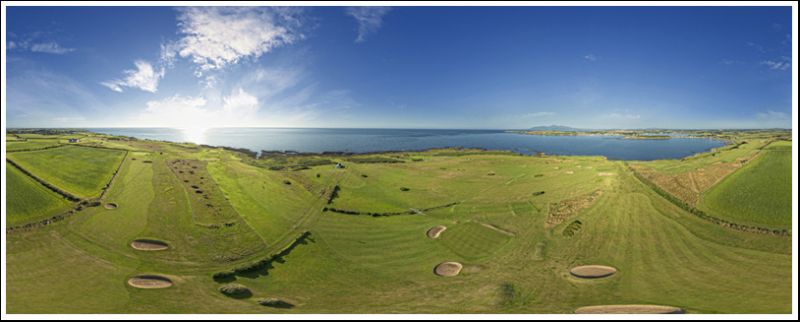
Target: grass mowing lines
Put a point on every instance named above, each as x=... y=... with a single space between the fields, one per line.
x=28 y=200
x=473 y=241
x=758 y=194
x=81 y=171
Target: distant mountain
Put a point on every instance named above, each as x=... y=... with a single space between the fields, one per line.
x=561 y=128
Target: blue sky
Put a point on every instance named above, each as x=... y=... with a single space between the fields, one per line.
x=400 y=67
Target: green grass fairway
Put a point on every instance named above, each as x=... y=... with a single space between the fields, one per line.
x=82 y=171
x=473 y=241
x=28 y=200
x=760 y=193
x=228 y=218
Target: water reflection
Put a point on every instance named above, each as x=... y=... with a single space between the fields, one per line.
x=195 y=135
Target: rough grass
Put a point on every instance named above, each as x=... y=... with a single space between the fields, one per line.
x=758 y=194
x=28 y=200
x=82 y=171
x=360 y=264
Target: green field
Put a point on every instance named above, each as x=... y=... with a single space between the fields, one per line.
x=28 y=200
x=81 y=171
x=760 y=193
x=220 y=211
x=31 y=145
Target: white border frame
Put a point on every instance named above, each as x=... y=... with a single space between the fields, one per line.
x=792 y=316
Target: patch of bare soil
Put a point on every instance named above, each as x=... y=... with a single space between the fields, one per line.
x=592 y=271
x=448 y=269
x=561 y=211
x=629 y=309
x=149 y=281
x=434 y=232
x=110 y=206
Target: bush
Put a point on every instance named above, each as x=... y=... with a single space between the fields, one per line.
x=226 y=276
x=538 y=193
x=404 y=189
x=276 y=303
x=235 y=290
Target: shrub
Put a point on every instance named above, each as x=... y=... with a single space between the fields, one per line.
x=226 y=276
x=235 y=290
x=538 y=193
x=276 y=303
x=404 y=189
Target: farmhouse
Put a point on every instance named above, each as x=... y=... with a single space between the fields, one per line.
x=339 y=165
x=73 y=140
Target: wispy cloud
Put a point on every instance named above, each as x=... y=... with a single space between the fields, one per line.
x=214 y=37
x=624 y=116
x=540 y=114
x=369 y=19
x=35 y=43
x=144 y=77
x=783 y=63
x=590 y=57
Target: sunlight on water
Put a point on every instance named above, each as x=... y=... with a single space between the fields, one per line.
x=194 y=135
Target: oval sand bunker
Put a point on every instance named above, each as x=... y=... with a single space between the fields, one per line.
x=448 y=269
x=592 y=271
x=149 y=245
x=149 y=281
x=110 y=206
x=434 y=232
x=629 y=309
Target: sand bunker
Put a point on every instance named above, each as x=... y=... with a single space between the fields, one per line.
x=149 y=281
x=448 y=269
x=605 y=174
x=149 y=245
x=570 y=172
x=629 y=309
x=434 y=232
x=592 y=271
x=110 y=206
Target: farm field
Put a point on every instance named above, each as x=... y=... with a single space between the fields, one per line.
x=82 y=171
x=182 y=223
x=27 y=200
x=759 y=193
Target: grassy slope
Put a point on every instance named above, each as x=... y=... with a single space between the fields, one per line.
x=79 y=170
x=28 y=200
x=365 y=264
x=759 y=193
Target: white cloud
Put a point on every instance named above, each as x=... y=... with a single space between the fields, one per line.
x=784 y=63
x=145 y=77
x=369 y=19
x=50 y=48
x=214 y=37
x=176 y=111
x=590 y=58
x=240 y=104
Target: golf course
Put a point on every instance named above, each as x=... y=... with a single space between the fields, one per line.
x=110 y=224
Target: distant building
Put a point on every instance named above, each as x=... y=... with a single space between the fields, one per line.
x=73 y=140
x=339 y=166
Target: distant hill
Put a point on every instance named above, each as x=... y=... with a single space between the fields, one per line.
x=561 y=128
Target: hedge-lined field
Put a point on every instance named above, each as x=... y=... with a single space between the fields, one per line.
x=28 y=200
x=760 y=193
x=82 y=171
